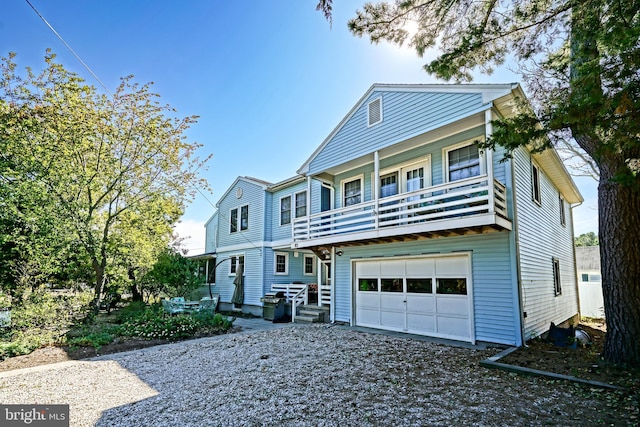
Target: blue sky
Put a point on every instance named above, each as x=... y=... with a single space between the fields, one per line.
x=269 y=79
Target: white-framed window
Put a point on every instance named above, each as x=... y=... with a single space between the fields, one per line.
x=462 y=161
x=536 y=193
x=235 y=261
x=309 y=265
x=557 y=284
x=352 y=191
x=374 y=112
x=301 y=204
x=281 y=263
x=563 y=214
x=243 y=220
x=405 y=177
x=285 y=210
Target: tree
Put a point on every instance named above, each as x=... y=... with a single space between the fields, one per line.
x=173 y=275
x=108 y=165
x=579 y=60
x=587 y=239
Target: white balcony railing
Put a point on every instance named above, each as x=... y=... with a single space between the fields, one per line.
x=452 y=200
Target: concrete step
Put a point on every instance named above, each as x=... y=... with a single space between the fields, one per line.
x=302 y=318
x=319 y=317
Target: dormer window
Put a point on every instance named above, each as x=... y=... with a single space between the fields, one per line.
x=375 y=111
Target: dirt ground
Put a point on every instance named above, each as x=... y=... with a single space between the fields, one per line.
x=582 y=362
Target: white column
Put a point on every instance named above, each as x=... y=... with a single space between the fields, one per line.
x=332 y=307
x=376 y=186
x=319 y=267
x=488 y=154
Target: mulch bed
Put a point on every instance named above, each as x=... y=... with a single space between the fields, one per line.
x=582 y=362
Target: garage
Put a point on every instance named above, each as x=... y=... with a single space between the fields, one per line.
x=427 y=295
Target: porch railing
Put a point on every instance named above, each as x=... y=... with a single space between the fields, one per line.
x=457 y=199
x=301 y=297
x=288 y=289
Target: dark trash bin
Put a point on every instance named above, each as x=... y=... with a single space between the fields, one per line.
x=273 y=306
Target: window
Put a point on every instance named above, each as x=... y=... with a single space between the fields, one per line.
x=233 y=220
x=585 y=277
x=389 y=185
x=301 y=204
x=557 y=286
x=563 y=218
x=375 y=112
x=368 y=285
x=391 y=285
x=463 y=162
x=595 y=277
x=419 y=286
x=235 y=261
x=451 y=286
x=352 y=191
x=535 y=183
x=309 y=265
x=281 y=263
x=244 y=219
x=285 y=210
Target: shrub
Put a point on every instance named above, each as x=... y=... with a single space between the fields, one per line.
x=95 y=340
x=153 y=326
x=133 y=310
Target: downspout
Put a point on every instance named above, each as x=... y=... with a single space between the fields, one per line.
x=516 y=240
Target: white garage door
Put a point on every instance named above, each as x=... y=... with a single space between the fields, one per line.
x=426 y=295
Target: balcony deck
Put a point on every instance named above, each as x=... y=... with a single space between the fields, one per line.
x=470 y=206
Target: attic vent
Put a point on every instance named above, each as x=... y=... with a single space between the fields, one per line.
x=375 y=111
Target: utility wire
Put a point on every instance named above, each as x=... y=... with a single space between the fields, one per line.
x=69 y=47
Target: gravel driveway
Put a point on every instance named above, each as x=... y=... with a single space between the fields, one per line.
x=310 y=375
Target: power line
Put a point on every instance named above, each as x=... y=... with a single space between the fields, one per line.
x=69 y=47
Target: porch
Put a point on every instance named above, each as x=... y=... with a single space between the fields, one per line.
x=468 y=206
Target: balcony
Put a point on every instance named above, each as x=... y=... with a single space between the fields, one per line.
x=470 y=206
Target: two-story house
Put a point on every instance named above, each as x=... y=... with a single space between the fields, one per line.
x=409 y=225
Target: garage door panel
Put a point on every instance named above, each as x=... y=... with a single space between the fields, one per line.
x=419 y=323
x=420 y=303
x=458 y=306
x=452 y=326
x=392 y=268
x=368 y=317
x=368 y=300
x=368 y=269
x=394 y=302
x=452 y=266
x=392 y=319
x=421 y=267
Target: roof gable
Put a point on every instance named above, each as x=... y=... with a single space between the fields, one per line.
x=252 y=181
x=407 y=110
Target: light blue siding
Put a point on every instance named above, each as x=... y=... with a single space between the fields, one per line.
x=253 y=195
x=493 y=289
x=283 y=232
x=405 y=114
x=542 y=237
x=211 y=232
x=253 y=276
x=295 y=273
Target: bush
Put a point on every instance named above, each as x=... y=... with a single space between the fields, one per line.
x=133 y=310
x=42 y=319
x=152 y=326
x=95 y=340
